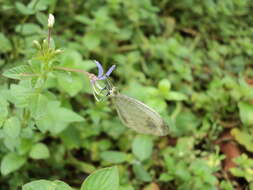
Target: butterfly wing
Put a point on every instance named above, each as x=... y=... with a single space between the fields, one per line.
x=138 y=116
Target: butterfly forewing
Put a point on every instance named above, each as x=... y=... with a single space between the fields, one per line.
x=138 y=116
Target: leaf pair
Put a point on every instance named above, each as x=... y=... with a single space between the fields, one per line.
x=103 y=179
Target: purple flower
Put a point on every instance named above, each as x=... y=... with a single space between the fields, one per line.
x=100 y=76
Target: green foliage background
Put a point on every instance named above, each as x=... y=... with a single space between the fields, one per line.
x=191 y=60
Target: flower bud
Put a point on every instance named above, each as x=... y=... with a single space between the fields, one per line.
x=58 y=51
x=50 y=21
x=36 y=44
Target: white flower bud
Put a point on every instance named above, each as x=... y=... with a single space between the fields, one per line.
x=50 y=21
x=45 y=41
x=58 y=51
x=36 y=44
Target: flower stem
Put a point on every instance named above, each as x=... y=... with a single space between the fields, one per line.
x=49 y=37
x=75 y=70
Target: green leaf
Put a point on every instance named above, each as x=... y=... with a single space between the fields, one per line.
x=71 y=138
x=227 y=185
x=142 y=147
x=28 y=29
x=60 y=185
x=103 y=179
x=246 y=112
x=39 y=151
x=23 y=9
x=25 y=143
x=91 y=40
x=56 y=118
x=176 y=96
x=141 y=173
x=245 y=168
x=126 y=187
x=18 y=72
x=71 y=84
x=84 y=166
x=37 y=106
x=3 y=110
x=21 y=94
x=42 y=18
x=39 y=185
x=114 y=157
x=165 y=177
x=12 y=143
x=39 y=5
x=186 y=122
x=164 y=86
x=12 y=127
x=5 y=44
x=250 y=186
x=244 y=138
x=11 y=162
x=46 y=185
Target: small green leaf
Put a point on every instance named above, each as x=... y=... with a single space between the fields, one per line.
x=142 y=147
x=244 y=138
x=115 y=157
x=141 y=173
x=3 y=110
x=23 y=9
x=39 y=5
x=60 y=185
x=245 y=167
x=21 y=94
x=37 y=105
x=39 y=151
x=186 y=122
x=164 y=86
x=46 y=185
x=250 y=186
x=18 y=72
x=71 y=84
x=5 y=44
x=103 y=179
x=165 y=177
x=126 y=187
x=91 y=40
x=39 y=185
x=176 y=96
x=246 y=112
x=28 y=29
x=12 y=127
x=42 y=18
x=71 y=138
x=11 y=162
x=11 y=143
x=56 y=118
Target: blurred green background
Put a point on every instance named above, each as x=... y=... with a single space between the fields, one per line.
x=191 y=60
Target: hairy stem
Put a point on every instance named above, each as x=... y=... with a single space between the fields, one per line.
x=75 y=70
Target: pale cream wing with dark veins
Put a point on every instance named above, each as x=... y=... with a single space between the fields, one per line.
x=138 y=116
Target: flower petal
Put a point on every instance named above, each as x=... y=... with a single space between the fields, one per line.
x=110 y=71
x=100 y=69
x=102 y=78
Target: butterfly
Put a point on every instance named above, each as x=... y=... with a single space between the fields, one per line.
x=137 y=115
x=133 y=113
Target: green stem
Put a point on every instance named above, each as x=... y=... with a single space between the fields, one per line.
x=176 y=111
x=26 y=117
x=49 y=37
x=74 y=70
